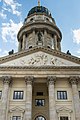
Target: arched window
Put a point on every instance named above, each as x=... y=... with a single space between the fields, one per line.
x=40 y=118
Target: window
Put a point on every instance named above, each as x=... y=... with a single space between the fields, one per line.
x=30 y=47
x=62 y=95
x=79 y=94
x=16 y=118
x=63 y=118
x=31 y=19
x=40 y=118
x=18 y=95
x=39 y=93
x=39 y=102
x=0 y=94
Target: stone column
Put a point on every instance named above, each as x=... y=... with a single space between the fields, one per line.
x=55 y=42
x=74 y=81
x=19 y=46
x=24 y=42
x=5 y=97
x=59 y=46
x=28 y=105
x=45 y=38
x=52 y=104
x=34 y=40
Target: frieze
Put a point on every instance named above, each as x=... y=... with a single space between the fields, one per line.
x=39 y=59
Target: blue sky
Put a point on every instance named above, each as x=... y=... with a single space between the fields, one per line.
x=65 y=12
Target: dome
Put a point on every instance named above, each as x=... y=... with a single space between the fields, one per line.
x=39 y=9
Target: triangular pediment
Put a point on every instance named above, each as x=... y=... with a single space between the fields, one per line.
x=64 y=109
x=39 y=57
x=16 y=109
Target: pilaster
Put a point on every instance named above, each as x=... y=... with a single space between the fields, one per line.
x=74 y=81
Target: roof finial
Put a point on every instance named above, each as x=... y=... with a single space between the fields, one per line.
x=38 y=2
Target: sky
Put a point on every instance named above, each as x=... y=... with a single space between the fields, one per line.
x=65 y=12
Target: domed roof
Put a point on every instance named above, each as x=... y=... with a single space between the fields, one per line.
x=39 y=9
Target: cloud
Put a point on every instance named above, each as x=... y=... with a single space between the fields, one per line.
x=78 y=51
x=4 y=53
x=10 y=30
x=12 y=6
x=0 y=50
x=2 y=15
x=76 y=36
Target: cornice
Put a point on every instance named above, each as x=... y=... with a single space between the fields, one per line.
x=37 y=49
x=47 y=25
x=72 y=68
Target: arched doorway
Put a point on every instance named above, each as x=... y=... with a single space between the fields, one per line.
x=40 y=118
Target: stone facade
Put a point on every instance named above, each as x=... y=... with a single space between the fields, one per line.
x=39 y=82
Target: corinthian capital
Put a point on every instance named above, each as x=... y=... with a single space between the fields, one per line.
x=29 y=79
x=6 y=79
x=74 y=79
x=51 y=79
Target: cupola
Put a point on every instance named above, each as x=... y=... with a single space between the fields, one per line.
x=39 y=29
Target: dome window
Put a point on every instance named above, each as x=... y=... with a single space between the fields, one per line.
x=31 y=19
x=30 y=47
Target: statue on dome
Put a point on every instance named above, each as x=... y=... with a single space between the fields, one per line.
x=39 y=36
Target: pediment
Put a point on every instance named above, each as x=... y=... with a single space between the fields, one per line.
x=16 y=109
x=40 y=58
x=64 y=109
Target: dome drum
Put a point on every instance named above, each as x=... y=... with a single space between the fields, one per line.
x=39 y=29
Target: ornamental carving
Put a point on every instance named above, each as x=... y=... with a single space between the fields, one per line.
x=29 y=79
x=39 y=59
x=51 y=79
x=74 y=79
x=7 y=79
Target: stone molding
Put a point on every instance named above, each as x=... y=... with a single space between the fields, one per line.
x=7 y=79
x=40 y=67
x=36 y=49
x=29 y=79
x=51 y=80
x=73 y=79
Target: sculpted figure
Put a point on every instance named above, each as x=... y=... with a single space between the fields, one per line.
x=39 y=36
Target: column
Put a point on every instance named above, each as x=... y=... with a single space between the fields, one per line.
x=5 y=97
x=24 y=42
x=28 y=105
x=34 y=40
x=45 y=38
x=19 y=46
x=55 y=42
x=74 y=81
x=52 y=104
x=59 y=46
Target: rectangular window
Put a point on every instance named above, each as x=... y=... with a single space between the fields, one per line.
x=39 y=93
x=18 y=95
x=16 y=118
x=62 y=95
x=40 y=102
x=0 y=94
x=79 y=94
x=63 y=118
